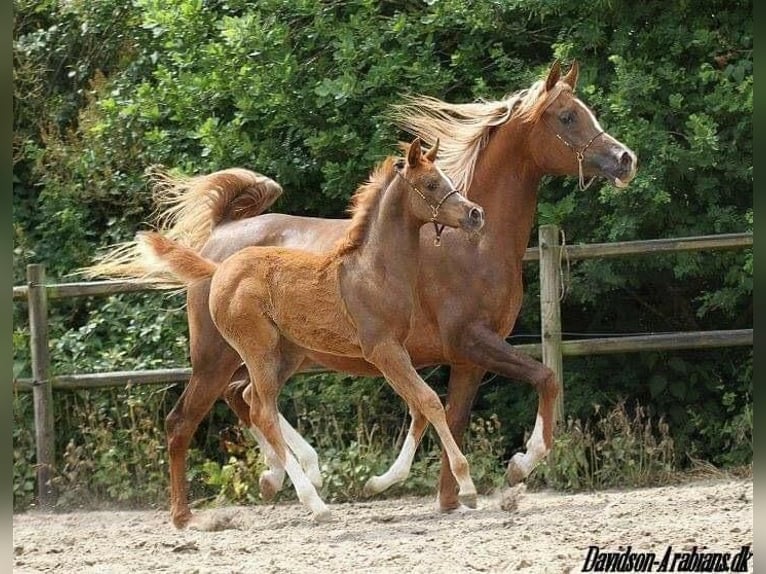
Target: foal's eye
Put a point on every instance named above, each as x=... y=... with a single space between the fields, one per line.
x=567 y=117
x=432 y=186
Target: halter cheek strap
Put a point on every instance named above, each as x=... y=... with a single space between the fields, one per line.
x=438 y=227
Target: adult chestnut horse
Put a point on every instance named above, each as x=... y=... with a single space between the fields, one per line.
x=273 y=304
x=469 y=295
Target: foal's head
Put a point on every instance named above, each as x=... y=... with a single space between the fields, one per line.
x=568 y=139
x=434 y=197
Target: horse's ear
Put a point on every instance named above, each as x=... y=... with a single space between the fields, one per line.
x=571 y=77
x=553 y=76
x=414 y=153
x=431 y=154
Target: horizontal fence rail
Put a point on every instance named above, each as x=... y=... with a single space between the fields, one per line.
x=550 y=252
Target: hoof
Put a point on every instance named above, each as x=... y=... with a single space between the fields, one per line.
x=515 y=474
x=323 y=516
x=181 y=520
x=369 y=487
x=267 y=488
x=468 y=500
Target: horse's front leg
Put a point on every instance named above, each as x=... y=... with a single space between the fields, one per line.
x=392 y=359
x=488 y=350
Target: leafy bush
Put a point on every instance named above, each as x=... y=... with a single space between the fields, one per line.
x=621 y=448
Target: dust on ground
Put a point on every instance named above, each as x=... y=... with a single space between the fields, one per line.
x=514 y=531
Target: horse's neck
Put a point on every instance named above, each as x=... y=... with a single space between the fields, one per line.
x=505 y=184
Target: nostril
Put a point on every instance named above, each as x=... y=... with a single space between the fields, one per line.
x=625 y=159
x=475 y=214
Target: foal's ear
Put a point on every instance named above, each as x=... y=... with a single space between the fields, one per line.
x=431 y=154
x=571 y=77
x=414 y=153
x=553 y=76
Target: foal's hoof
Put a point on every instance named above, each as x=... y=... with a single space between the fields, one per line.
x=267 y=488
x=323 y=516
x=515 y=473
x=469 y=500
x=370 y=487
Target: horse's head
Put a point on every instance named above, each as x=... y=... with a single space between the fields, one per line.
x=434 y=196
x=567 y=139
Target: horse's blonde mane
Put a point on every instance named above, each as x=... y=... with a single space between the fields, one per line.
x=464 y=129
x=362 y=206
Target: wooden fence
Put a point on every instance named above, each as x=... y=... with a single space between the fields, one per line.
x=550 y=253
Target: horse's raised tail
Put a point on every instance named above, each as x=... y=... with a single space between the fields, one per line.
x=187 y=210
x=166 y=256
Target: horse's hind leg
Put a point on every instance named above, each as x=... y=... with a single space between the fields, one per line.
x=400 y=470
x=210 y=373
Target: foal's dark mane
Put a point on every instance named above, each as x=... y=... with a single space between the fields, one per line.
x=363 y=205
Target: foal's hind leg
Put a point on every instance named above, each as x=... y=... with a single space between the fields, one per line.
x=270 y=360
x=394 y=362
x=272 y=479
x=400 y=470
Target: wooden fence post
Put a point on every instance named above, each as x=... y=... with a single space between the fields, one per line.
x=550 y=309
x=42 y=393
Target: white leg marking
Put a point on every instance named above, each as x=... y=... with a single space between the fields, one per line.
x=398 y=472
x=304 y=452
x=536 y=450
x=275 y=474
x=307 y=494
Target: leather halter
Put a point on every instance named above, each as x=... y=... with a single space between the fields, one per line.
x=439 y=227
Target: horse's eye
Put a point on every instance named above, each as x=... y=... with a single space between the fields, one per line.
x=567 y=117
x=431 y=185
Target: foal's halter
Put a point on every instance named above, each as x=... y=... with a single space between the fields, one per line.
x=439 y=227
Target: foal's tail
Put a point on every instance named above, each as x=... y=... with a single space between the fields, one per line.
x=187 y=210
x=167 y=257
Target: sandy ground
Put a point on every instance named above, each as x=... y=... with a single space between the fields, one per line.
x=515 y=531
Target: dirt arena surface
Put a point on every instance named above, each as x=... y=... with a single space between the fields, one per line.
x=514 y=531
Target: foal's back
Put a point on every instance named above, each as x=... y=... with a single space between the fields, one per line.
x=295 y=291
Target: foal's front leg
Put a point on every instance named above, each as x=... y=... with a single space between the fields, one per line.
x=394 y=362
x=400 y=470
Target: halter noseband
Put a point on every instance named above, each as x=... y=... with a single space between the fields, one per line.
x=580 y=154
x=439 y=227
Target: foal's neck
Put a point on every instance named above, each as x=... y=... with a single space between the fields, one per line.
x=392 y=241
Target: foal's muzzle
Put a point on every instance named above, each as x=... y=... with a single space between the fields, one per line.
x=474 y=220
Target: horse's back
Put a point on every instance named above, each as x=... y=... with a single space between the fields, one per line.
x=312 y=234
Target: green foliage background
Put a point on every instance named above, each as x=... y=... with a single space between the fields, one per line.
x=299 y=90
